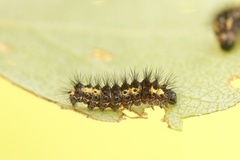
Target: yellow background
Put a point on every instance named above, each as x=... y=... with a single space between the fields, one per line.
x=32 y=128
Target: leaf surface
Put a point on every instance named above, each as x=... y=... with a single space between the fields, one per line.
x=42 y=43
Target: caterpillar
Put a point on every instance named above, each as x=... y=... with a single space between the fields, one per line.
x=226 y=27
x=152 y=89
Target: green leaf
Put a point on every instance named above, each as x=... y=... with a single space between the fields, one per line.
x=42 y=43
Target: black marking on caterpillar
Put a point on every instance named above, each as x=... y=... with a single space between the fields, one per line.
x=152 y=89
x=226 y=27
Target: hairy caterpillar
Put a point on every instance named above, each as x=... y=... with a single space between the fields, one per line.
x=151 y=89
x=226 y=27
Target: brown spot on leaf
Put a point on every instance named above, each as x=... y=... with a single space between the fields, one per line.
x=11 y=62
x=4 y=48
x=102 y=54
x=234 y=81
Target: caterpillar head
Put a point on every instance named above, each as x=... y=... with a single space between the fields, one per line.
x=172 y=96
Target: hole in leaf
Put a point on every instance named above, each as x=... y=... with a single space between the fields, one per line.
x=235 y=81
